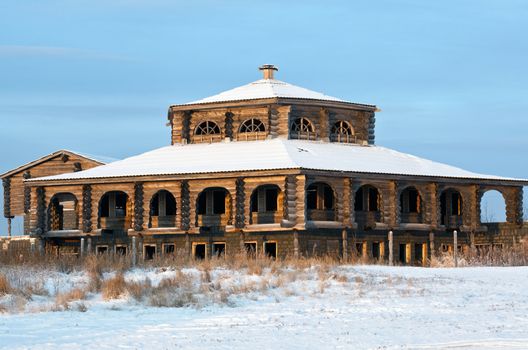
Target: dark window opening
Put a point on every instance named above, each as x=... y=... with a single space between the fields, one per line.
x=418 y=253
x=403 y=253
x=121 y=250
x=168 y=248
x=219 y=202
x=271 y=199
x=328 y=198
x=376 y=250
x=150 y=252
x=251 y=249
x=311 y=198
x=366 y=199
x=199 y=251
x=101 y=250
x=105 y=206
x=219 y=250
x=120 y=206
x=373 y=199
x=358 y=202
x=202 y=203
x=359 y=249
x=270 y=249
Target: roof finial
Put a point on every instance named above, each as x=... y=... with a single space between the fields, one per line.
x=268 y=70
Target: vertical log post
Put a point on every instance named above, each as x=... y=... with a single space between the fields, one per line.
x=345 y=244
x=455 y=247
x=82 y=248
x=296 y=244
x=431 y=247
x=134 y=250
x=89 y=246
x=391 y=248
x=9 y=227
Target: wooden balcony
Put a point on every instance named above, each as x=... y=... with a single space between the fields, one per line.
x=452 y=221
x=411 y=218
x=163 y=221
x=321 y=215
x=267 y=217
x=120 y=223
x=251 y=136
x=219 y=220
x=367 y=219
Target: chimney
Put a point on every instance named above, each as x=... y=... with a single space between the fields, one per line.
x=268 y=70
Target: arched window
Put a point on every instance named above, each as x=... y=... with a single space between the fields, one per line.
x=302 y=128
x=207 y=128
x=162 y=210
x=252 y=125
x=342 y=131
x=320 y=202
x=451 y=208
x=410 y=206
x=62 y=212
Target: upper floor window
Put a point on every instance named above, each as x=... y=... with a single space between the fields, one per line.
x=207 y=128
x=252 y=129
x=252 y=125
x=302 y=128
x=342 y=131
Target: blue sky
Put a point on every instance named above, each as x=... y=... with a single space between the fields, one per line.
x=97 y=76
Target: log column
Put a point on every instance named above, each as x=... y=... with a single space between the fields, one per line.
x=185 y=206
x=138 y=206
x=290 y=197
x=300 y=202
x=87 y=209
x=240 y=217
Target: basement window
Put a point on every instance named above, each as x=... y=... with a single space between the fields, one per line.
x=121 y=250
x=199 y=251
x=251 y=249
x=270 y=249
x=150 y=252
x=101 y=249
x=168 y=248
x=219 y=249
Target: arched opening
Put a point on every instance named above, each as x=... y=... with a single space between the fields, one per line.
x=411 y=206
x=492 y=207
x=114 y=211
x=207 y=131
x=162 y=210
x=63 y=213
x=342 y=131
x=303 y=129
x=367 y=206
x=451 y=208
x=213 y=208
x=320 y=202
x=252 y=129
x=266 y=205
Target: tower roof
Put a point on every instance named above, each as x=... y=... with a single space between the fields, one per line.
x=268 y=88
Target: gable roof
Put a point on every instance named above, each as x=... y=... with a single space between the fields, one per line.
x=274 y=154
x=96 y=159
x=268 y=89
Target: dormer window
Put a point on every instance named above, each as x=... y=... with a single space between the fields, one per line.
x=342 y=131
x=302 y=129
x=207 y=131
x=252 y=129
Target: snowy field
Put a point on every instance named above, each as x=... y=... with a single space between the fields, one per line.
x=347 y=307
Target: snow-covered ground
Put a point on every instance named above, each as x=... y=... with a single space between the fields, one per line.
x=347 y=307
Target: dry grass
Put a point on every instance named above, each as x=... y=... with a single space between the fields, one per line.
x=114 y=287
x=5 y=286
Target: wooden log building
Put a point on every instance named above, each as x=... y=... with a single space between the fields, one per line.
x=267 y=167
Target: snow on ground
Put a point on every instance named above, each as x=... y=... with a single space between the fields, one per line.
x=374 y=307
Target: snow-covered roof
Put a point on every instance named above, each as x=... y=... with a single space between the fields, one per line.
x=272 y=154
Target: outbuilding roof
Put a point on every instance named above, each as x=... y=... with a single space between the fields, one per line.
x=273 y=154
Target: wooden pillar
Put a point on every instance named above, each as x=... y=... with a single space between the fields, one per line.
x=391 y=248
x=455 y=247
x=89 y=245
x=296 y=244
x=431 y=246
x=9 y=227
x=134 y=250
x=240 y=205
x=345 y=244
x=82 y=247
